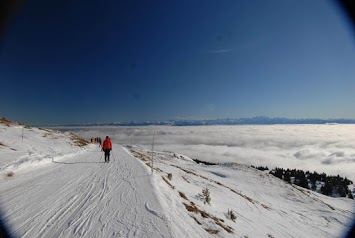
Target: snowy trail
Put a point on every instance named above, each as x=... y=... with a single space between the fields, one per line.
x=84 y=197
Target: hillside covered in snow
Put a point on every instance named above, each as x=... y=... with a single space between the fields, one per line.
x=264 y=205
x=53 y=184
x=23 y=146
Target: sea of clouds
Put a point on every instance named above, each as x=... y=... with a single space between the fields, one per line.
x=321 y=148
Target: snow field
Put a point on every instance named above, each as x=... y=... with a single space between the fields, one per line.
x=26 y=147
x=60 y=189
x=264 y=205
x=85 y=197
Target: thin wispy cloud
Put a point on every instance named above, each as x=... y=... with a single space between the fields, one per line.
x=221 y=51
x=244 y=46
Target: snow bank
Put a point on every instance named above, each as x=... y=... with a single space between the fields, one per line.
x=24 y=147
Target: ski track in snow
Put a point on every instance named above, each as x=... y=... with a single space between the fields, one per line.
x=84 y=197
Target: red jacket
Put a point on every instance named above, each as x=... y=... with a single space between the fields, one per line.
x=107 y=144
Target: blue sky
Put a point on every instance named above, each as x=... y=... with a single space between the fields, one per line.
x=100 y=61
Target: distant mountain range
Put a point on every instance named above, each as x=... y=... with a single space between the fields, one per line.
x=227 y=121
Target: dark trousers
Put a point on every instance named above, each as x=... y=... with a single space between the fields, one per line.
x=107 y=154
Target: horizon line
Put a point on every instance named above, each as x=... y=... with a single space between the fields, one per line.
x=242 y=120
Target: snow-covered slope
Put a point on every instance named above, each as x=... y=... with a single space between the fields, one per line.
x=265 y=206
x=84 y=197
x=23 y=146
x=60 y=189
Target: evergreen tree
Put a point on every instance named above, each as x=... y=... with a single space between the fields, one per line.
x=302 y=181
x=287 y=178
x=327 y=189
x=333 y=185
x=314 y=186
x=341 y=191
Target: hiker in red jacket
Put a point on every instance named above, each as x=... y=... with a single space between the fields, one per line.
x=107 y=147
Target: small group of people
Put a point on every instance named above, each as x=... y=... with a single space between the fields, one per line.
x=96 y=140
x=107 y=147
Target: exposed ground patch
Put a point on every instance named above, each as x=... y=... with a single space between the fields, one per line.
x=166 y=181
x=194 y=209
x=9 y=174
x=6 y=122
x=78 y=140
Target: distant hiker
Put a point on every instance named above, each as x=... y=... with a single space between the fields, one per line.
x=100 y=141
x=107 y=147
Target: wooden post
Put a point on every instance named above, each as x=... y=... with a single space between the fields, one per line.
x=153 y=150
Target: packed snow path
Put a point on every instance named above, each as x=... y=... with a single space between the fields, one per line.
x=84 y=197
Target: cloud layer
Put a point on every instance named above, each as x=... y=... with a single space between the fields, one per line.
x=323 y=148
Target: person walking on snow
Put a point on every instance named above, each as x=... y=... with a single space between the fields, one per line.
x=107 y=147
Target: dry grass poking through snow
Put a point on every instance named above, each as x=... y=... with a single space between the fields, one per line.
x=78 y=140
x=191 y=207
x=166 y=181
x=220 y=184
x=9 y=123
x=6 y=122
x=183 y=195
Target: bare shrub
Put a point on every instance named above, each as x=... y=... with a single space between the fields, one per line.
x=10 y=174
x=205 y=196
x=231 y=215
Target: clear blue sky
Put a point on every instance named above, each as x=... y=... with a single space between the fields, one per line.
x=101 y=61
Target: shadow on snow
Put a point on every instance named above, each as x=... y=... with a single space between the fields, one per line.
x=56 y=162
